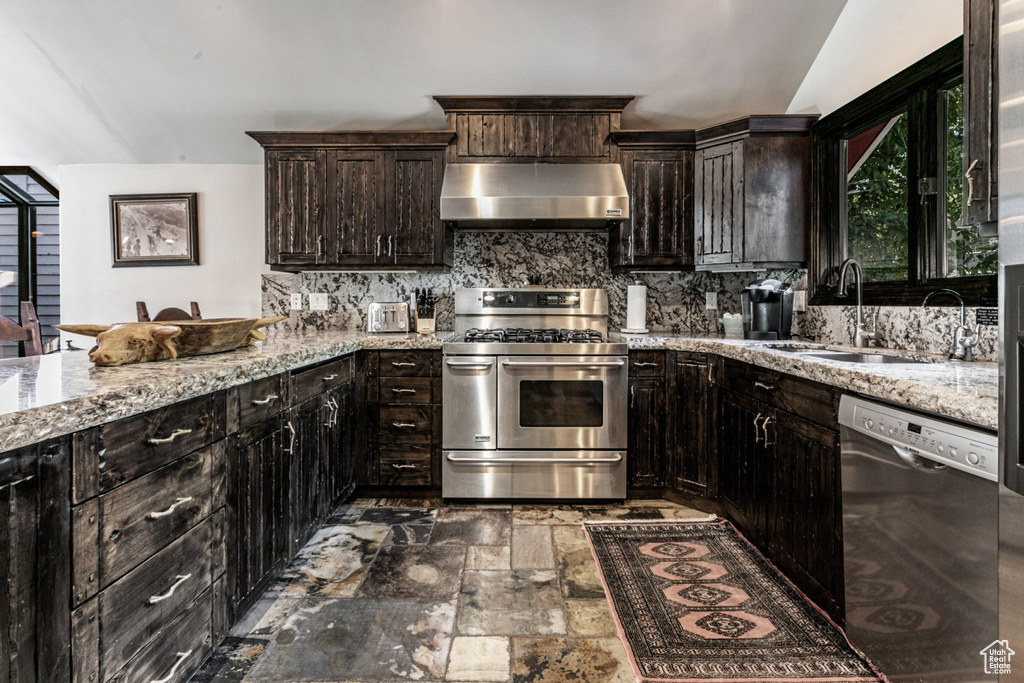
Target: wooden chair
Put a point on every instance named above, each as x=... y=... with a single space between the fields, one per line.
x=27 y=331
x=167 y=314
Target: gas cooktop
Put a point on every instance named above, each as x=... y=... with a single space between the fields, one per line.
x=521 y=335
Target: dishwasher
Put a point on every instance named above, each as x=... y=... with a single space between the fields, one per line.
x=920 y=535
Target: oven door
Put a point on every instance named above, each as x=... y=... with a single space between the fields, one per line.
x=562 y=402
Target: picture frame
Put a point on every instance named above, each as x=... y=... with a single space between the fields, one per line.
x=154 y=229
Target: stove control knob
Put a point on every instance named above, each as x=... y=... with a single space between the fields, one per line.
x=511 y=298
x=973 y=458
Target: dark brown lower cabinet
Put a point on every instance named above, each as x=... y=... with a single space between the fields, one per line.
x=743 y=462
x=307 y=469
x=690 y=388
x=645 y=452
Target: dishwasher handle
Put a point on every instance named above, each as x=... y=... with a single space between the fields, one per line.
x=916 y=461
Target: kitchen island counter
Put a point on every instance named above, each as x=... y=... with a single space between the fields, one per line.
x=963 y=391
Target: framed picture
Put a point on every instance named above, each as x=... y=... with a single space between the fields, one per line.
x=154 y=229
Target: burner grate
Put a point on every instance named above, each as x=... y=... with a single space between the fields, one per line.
x=520 y=335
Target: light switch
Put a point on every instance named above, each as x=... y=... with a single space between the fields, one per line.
x=297 y=301
x=800 y=301
x=710 y=301
x=318 y=302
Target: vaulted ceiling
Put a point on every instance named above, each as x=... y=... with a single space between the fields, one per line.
x=170 y=81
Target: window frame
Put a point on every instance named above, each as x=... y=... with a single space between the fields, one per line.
x=917 y=90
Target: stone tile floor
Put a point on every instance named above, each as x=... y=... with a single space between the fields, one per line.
x=413 y=590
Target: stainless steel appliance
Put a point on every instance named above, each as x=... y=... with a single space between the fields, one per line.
x=534 y=397
x=388 y=317
x=534 y=196
x=767 y=309
x=920 y=534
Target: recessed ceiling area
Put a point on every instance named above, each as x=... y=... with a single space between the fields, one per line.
x=172 y=81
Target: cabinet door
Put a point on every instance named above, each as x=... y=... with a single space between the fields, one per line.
x=658 y=232
x=689 y=422
x=415 y=235
x=258 y=509
x=744 y=462
x=981 y=106
x=309 y=420
x=718 y=196
x=805 y=508
x=296 y=206
x=355 y=234
x=339 y=445
x=646 y=445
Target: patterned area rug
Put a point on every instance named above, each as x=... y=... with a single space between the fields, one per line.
x=697 y=602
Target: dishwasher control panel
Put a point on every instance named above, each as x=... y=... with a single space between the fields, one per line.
x=948 y=443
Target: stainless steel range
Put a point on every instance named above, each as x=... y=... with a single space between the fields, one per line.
x=534 y=397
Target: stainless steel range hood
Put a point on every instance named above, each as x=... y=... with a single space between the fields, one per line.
x=552 y=197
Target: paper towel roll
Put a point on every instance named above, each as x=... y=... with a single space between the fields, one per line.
x=636 y=308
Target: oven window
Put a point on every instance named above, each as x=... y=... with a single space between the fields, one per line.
x=561 y=403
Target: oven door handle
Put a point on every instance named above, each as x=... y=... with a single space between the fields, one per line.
x=562 y=364
x=470 y=365
x=539 y=461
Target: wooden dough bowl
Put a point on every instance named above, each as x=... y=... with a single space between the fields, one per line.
x=123 y=343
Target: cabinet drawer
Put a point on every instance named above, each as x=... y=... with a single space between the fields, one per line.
x=261 y=399
x=140 y=518
x=406 y=364
x=136 y=607
x=405 y=465
x=406 y=389
x=140 y=444
x=810 y=400
x=647 y=364
x=307 y=383
x=406 y=424
x=177 y=651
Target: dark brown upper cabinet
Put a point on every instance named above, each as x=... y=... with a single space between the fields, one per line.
x=658 y=170
x=981 y=105
x=355 y=199
x=752 y=193
x=532 y=129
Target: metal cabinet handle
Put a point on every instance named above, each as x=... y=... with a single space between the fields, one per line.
x=389 y=245
x=563 y=364
x=403 y=364
x=404 y=391
x=337 y=410
x=182 y=656
x=700 y=247
x=164 y=513
x=638 y=364
x=181 y=578
x=969 y=177
x=757 y=429
x=378 y=246
x=766 y=387
x=291 y=444
x=632 y=396
x=451 y=457
x=264 y=401
x=332 y=419
x=403 y=467
x=174 y=435
x=764 y=429
x=328 y=378
x=405 y=425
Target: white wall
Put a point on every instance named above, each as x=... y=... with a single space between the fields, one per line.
x=231 y=228
x=871 y=41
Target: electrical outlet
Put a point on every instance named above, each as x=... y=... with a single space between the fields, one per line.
x=297 y=301
x=318 y=302
x=800 y=301
x=710 y=301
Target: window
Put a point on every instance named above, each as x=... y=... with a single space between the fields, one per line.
x=888 y=173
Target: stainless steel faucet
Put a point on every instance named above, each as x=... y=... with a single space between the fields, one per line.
x=861 y=336
x=964 y=338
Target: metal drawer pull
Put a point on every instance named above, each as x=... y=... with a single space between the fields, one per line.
x=563 y=364
x=182 y=656
x=181 y=578
x=291 y=444
x=471 y=365
x=764 y=428
x=174 y=435
x=757 y=429
x=538 y=461
x=404 y=391
x=643 y=365
x=403 y=424
x=264 y=401
x=164 y=513
x=328 y=378
x=403 y=467
x=403 y=364
x=766 y=387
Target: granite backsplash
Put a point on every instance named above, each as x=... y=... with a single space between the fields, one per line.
x=675 y=301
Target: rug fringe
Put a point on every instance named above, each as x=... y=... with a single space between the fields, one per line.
x=710 y=518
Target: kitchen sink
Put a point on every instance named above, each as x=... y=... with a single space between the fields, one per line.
x=853 y=357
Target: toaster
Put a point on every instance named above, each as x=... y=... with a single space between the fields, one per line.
x=387 y=317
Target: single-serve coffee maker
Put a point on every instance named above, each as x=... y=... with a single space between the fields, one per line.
x=767 y=308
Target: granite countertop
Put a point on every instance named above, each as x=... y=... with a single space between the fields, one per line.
x=56 y=394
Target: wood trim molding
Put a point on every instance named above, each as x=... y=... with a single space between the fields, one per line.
x=533 y=103
x=765 y=124
x=654 y=138
x=353 y=138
